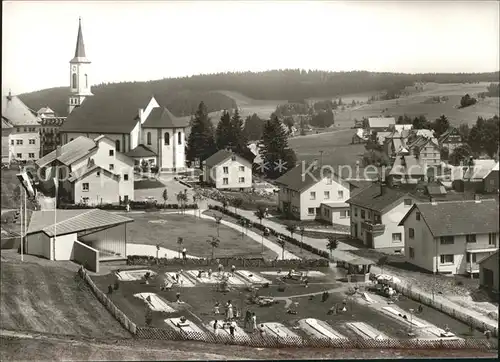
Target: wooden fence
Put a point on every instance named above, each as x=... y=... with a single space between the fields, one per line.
x=445 y=308
x=103 y=298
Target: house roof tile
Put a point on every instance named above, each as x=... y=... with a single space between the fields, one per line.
x=18 y=113
x=462 y=217
x=372 y=198
x=218 y=157
x=141 y=151
x=70 y=152
x=73 y=221
x=161 y=117
x=381 y=122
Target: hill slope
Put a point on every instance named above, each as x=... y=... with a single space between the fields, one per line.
x=184 y=94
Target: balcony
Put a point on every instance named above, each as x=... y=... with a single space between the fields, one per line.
x=373 y=228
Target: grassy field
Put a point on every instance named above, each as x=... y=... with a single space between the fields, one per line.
x=294 y=249
x=249 y=106
x=199 y=301
x=165 y=229
x=52 y=300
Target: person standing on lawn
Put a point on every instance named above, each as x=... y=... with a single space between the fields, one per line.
x=230 y=313
x=248 y=318
x=215 y=326
x=184 y=253
x=254 y=322
x=216 y=308
x=233 y=269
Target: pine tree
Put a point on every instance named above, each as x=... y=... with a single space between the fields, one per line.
x=201 y=143
x=274 y=149
x=223 y=133
x=239 y=140
x=253 y=127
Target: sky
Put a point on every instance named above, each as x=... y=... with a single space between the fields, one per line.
x=146 y=40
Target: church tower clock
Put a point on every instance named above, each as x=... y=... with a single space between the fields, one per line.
x=79 y=74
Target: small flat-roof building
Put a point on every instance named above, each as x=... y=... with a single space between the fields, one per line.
x=488 y=273
x=86 y=236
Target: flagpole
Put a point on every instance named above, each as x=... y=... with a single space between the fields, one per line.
x=25 y=225
x=21 y=215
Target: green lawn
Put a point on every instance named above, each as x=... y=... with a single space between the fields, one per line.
x=52 y=300
x=294 y=249
x=146 y=230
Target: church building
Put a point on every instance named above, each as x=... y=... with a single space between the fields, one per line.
x=143 y=129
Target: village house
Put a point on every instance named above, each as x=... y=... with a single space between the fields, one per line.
x=6 y=131
x=451 y=237
x=314 y=193
x=375 y=215
x=451 y=139
x=49 y=130
x=380 y=124
x=227 y=170
x=24 y=138
x=426 y=150
x=91 y=171
x=395 y=143
x=141 y=127
x=406 y=169
x=480 y=176
x=488 y=273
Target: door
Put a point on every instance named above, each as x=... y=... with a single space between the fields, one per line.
x=125 y=199
x=355 y=230
x=369 y=239
x=487 y=278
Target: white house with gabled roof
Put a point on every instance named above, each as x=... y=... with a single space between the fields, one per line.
x=228 y=170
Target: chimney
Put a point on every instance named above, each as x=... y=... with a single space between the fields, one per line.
x=382 y=185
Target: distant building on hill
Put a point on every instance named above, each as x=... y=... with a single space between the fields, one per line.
x=143 y=128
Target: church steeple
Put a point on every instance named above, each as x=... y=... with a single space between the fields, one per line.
x=80 y=46
x=79 y=73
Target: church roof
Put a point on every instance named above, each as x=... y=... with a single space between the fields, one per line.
x=80 y=47
x=17 y=113
x=161 y=117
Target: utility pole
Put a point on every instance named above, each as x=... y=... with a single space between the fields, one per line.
x=21 y=215
x=321 y=158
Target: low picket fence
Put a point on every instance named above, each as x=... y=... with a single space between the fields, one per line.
x=110 y=306
x=445 y=308
x=269 y=341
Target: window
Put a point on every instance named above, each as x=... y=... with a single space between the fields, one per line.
x=19 y=142
x=447 y=240
x=31 y=155
x=225 y=181
x=356 y=211
x=166 y=139
x=408 y=202
x=340 y=195
x=241 y=180
x=363 y=214
x=396 y=237
x=417 y=216
x=312 y=195
x=242 y=168
x=148 y=138
x=469 y=257
x=117 y=146
x=470 y=238
x=329 y=180
x=310 y=211
x=86 y=81
x=111 y=152
x=411 y=232
x=111 y=167
x=98 y=173
x=447 y=258
x=73 y=81
x=327 y=195
x=85 y=186
x=412 y=253
x=344 y=214
x=25 y=129
x=12 y=142
x=377 y=219
x=125 y=176
x=225 y=169
x=492 y=239
x=233 y=158
x=318 y=211
x=18 y=129
x=151 y=161
x=18 y=155
x=179 y=138
x=31 y=141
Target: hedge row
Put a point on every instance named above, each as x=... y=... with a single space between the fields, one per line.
x=273 y=232
x=134 y=205
x=238 y=262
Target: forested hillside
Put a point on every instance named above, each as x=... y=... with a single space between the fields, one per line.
x=184 y=94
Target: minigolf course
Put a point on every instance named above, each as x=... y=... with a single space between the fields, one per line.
x=223 y=329
x=252 y=277
x=277 y=330
x=155 y=302
x=184 y=281
x=319 y=329
x=132 y=275
x=186 y=326
x=366 y=331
